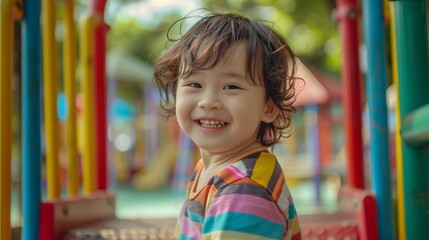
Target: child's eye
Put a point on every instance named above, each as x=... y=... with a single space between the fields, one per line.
x=194 y=85
x=230 y=87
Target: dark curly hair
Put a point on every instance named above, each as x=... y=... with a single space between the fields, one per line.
x=207 y=42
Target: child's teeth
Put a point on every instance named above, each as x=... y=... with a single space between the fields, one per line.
x=212 y=124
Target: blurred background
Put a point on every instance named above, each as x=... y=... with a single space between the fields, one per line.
x=149 y=158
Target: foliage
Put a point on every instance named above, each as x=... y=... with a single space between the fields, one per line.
x=138 y=39
x=306 y=24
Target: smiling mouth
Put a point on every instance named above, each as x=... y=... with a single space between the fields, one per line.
x=212 y=124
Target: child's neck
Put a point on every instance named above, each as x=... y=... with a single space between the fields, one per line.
x=214 y=163
x=221 y=160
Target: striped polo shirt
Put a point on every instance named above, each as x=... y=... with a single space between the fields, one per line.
x=248 y=199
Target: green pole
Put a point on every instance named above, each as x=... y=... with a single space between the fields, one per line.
x=413 y=78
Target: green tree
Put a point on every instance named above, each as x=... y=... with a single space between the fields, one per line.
x=307 y=25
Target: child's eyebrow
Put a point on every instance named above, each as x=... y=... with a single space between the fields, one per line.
x=233 y=74
x=225 y=73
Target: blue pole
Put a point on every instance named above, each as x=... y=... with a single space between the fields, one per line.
x=312 y=136
x=376 y=95
x=184 y=159
x=31 y=119
x=316 y=152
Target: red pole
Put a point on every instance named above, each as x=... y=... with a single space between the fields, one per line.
x=347 y=16
x=97 y=7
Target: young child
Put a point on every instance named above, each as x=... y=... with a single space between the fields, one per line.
x=229 y=83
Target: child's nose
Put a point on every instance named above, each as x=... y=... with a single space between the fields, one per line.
x=210 y=103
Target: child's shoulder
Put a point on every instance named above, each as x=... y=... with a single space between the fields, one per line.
x=265 y=170
x=259 y=167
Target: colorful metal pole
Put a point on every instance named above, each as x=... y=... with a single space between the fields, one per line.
x=400 y=211
x=97 y=7
x=6 y=76
x=347 y=16
x=31 y=119
x=312 y=145
x=69 y=60
x=87 y=88
x=376 y=85
x=412 y=55
x=50 y=91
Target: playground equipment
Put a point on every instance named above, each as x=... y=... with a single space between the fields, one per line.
x=360 y=208
x=6 y=74
x=376 y=83
x=31 y=115
x=33 y=208
x=411 y=29
x=347 y=15
x=356 y=218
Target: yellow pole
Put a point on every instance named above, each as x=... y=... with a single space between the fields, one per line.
x=50 y=97
x=87 y=85
x=69 y=59
x=6 y=76
x=398 y=145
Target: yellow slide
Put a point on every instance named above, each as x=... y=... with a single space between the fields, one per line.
x=155 y=175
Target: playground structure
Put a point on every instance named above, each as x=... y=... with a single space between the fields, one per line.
x=359 y=205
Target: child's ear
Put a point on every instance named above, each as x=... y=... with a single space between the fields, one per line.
x=271 y=112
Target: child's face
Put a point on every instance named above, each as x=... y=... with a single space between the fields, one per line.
x=219 y=109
